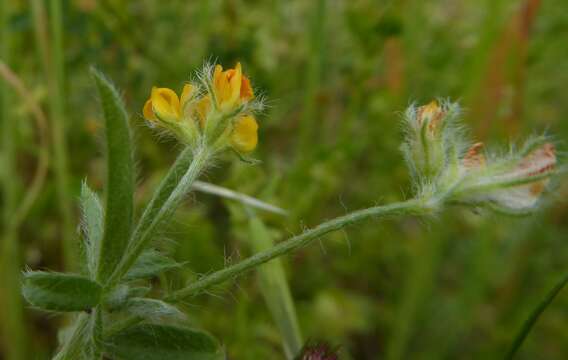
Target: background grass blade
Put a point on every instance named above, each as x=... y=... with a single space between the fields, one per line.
x=11 y=311
x=533 y=317
x=56 y=79
x=275 y=289
x=120 y=177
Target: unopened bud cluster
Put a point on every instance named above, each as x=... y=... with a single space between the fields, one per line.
x=217 y=112
x=448 y=167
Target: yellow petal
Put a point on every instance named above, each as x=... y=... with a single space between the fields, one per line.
x=147 y=110
x=245 y=134
x=234 y=78
x=202 y=108
x=246 y=90
x=186 y=95
x=165 y=103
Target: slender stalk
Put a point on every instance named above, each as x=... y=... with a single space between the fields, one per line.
x=58 y=123
x=410 y=207
x=13 y=323
x=161 y=208
x=534 y=316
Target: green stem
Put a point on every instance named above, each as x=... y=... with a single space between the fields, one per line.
x=533 y=317
x=58 y=124
x=75 y=345
x=162 y=205
x=410 y=207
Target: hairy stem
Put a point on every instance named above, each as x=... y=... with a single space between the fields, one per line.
x=410 y=207
x=162 y=205
x=75 y=344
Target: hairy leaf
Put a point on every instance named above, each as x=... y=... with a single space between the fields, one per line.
x=92 y=223
x=60 y=292
x=120 y=178
x=152 y=309
x=150 y=264
x=162 y=342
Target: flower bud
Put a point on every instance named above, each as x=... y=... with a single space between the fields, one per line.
x=511 y=184
x=426 y=147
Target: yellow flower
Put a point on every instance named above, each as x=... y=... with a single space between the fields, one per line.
x=231 y=87
x=165 y=105
x=244 y=136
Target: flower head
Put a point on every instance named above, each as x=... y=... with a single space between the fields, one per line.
x=218 y=118
x=446 y=168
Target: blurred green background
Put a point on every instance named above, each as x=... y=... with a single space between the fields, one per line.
x=337 y=74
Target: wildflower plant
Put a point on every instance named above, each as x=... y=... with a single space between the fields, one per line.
x=118 y=316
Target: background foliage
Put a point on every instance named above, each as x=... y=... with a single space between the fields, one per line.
x=337 y=75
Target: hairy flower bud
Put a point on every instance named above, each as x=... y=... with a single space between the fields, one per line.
x=512 y=184
x=426 y=147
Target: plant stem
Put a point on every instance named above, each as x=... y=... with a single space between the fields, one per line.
x=410 y=207
x=74 y=346
x=162 y=205
x=58 y=122
x=533 y=317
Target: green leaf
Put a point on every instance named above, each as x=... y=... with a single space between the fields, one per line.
x=162 y=342
x=152 y=309
x=92 y=224
x=60 y=292
x=151 y=263
x=120 y=178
